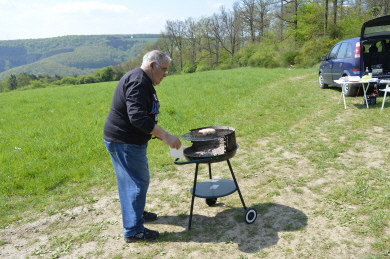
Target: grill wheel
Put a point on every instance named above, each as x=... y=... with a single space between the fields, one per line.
x=211 y=201
x=250 y=215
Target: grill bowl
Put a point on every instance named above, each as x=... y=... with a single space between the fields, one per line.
x=194 y=153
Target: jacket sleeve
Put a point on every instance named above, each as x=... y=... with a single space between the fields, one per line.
x=138 y=102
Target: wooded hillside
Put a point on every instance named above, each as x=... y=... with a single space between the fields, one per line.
x=266 y=33
x=69 y=55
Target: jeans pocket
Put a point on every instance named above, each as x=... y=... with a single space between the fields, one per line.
x=110 y=147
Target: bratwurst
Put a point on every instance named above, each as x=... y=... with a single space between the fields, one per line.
x=207 y=131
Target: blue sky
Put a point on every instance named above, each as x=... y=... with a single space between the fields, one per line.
x=31 y=19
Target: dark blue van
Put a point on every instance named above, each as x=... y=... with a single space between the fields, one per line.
x=353 y=57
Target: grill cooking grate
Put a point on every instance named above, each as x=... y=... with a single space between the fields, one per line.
x=196 y=136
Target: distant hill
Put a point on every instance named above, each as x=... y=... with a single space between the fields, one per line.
x=69 y=55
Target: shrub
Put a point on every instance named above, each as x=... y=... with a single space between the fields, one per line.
x=243 y=55
x=105 y=74
x=312 y=51
x=37 y=84
x=225 y=66
x=189 y=67
x=289 y=57
x=203 y=66
x=88 y=79
x=69 y=81
x=262 y=59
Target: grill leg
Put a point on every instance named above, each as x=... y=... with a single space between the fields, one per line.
x=193 y=195
x=210 y=175
x=235 y=181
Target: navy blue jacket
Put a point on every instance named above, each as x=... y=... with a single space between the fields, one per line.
x=134 y=110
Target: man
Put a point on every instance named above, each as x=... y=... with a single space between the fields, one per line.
x=129 y=126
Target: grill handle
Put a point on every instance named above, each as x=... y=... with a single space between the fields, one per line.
x=193 y=161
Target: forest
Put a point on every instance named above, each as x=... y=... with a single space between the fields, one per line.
x=266 y=33
x=255 y=33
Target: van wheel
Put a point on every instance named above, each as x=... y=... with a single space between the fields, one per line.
x=321 y=82
x=350 y=90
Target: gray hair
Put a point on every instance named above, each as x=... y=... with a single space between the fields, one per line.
x=156 y=56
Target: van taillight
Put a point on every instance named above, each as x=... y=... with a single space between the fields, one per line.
x=357 y=50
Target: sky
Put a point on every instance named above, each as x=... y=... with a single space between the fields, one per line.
x=33 y=19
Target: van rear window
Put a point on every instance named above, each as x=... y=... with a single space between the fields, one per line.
x=377 y=31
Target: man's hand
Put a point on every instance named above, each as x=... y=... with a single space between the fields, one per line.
x=172 y=141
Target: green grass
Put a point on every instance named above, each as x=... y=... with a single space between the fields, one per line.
x=52 y=156
x=51 y=146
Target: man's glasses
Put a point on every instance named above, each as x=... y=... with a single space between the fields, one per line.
x=163 y=68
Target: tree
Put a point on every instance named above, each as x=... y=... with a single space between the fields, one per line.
x=249 y=16
x=11 y=82
x=378 y=7
x=226 y=28
x=326 y=6
x=23 y=80
x=263 y=10
x=176 y=30
x=105 y=74
x=210 y=46
x=166 y=43
x=193 y=41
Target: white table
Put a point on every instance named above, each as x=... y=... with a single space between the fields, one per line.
x=386 y=90
x=364 y=83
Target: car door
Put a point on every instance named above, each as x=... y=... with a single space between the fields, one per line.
x=339 y=63
x=327 y=65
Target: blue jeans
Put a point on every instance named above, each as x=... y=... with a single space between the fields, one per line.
x=132 y=175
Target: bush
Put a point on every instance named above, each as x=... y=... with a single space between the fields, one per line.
x=312 y=51
x=203 y=66
x=118 y=75
x=88 y=79
x=289 y=57
x=189 y=67
x=271 y=62
x=37 y=84
x=105 y=74
x=243 y=55
x=69 y=81
x=261 y=59
x=256 y=60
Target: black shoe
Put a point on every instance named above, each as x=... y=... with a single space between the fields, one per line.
x=149 y=216
x=146 y=235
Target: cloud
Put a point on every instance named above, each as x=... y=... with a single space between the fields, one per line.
x=87 y=8
x=51 y=18
x=23 y=19
x=217 y=5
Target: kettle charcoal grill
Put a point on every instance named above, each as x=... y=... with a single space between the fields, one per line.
x=212 y=148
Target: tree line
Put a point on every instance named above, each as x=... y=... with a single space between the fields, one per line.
x=266 y=33
x=26 y=81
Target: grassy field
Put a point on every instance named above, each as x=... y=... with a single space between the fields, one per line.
x=52 y=157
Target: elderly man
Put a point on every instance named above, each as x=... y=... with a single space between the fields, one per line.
x=130 y=124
